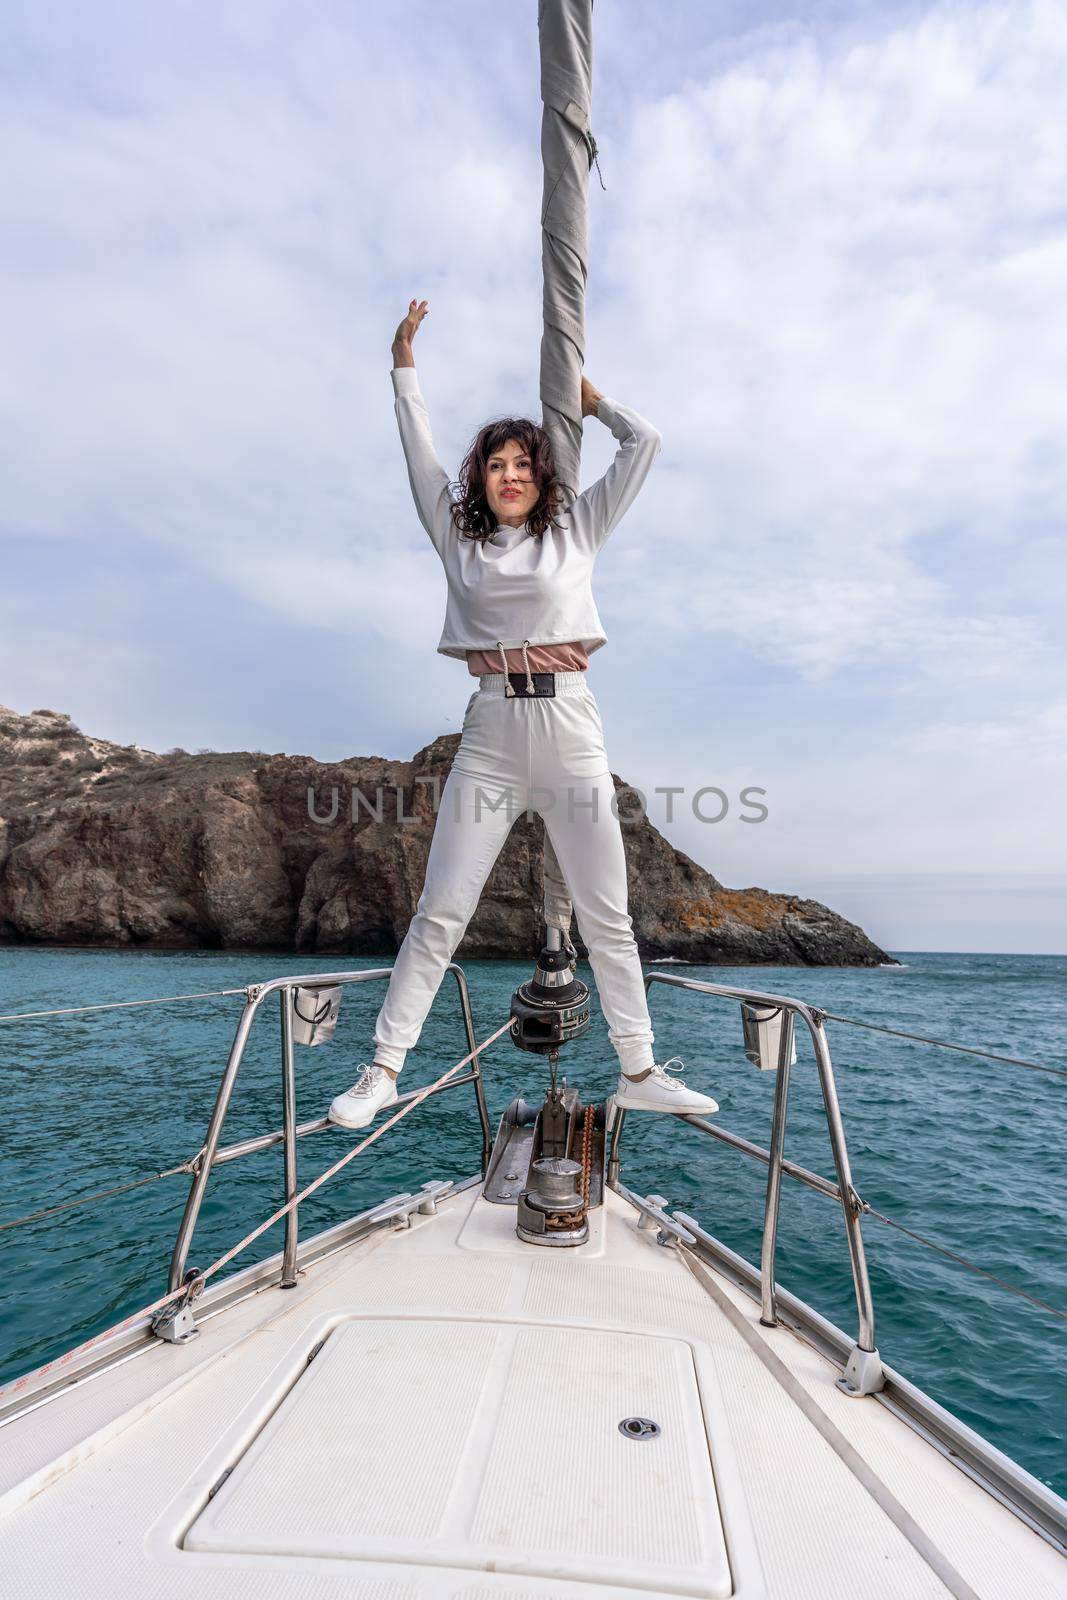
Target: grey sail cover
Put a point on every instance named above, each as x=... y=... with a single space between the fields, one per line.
x=565 y=35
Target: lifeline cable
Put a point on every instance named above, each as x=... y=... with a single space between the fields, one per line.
x=117 y=1005
x=945 y=1044
x=201 y=1278
x=102 y=1194
x=983 y=1272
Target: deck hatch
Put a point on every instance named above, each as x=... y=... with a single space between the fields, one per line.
x=486 y=1447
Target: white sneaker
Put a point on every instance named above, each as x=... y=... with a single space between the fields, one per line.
x=361 y=1104
x=660 y=1092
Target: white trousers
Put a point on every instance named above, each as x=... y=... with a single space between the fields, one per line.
x=541 y=754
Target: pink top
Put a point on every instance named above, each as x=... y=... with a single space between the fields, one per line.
x=543 y=658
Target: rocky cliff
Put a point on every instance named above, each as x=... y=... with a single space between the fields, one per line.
x=116 y=845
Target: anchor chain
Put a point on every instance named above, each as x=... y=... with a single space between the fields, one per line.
x=567 y=1221
x=587 y=1157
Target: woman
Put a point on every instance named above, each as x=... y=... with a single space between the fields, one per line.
x=521 y=613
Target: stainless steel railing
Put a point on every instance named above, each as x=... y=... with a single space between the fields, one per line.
x=863 y=1371
x=211 y=1156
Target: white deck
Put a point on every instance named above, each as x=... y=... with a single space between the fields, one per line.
x=456 y=1438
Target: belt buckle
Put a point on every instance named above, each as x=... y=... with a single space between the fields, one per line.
x=544 y=684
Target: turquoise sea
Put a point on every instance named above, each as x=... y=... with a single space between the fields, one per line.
x=967 y=1151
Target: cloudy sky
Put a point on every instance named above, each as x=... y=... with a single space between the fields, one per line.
x=827 y=261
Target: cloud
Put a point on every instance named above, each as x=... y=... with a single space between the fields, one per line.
x=1039 y=734
x=827 y=263
x=840 y=268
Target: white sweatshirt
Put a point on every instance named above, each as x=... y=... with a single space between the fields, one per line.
x=515 y=587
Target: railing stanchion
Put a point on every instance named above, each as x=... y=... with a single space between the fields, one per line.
x=210 y=1155
x=860 y=1277
x=768 y=1302
x=211 y=1142
x=613 y=1153
x=292 y=1225
x=863 y=1373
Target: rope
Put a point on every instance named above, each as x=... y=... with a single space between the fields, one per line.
x=967 y=1049
x=201 y=1278
x=118 y=1005
x=1002 y=1283
x=860 y=1468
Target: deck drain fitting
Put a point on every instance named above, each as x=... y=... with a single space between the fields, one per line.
x=640 y=1428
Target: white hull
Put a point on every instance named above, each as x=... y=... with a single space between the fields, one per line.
x=457 y=1438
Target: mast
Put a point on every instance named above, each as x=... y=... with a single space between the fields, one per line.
x=568 y=150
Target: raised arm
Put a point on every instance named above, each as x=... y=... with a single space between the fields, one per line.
x=428 y=478
x=598 y=509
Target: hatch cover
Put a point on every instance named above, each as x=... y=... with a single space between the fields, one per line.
x=487 y=1447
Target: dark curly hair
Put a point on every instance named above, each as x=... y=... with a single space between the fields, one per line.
x=470 y=511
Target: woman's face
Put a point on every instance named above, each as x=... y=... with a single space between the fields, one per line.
x=509 y=484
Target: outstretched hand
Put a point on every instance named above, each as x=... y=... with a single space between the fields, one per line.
x=409 y=325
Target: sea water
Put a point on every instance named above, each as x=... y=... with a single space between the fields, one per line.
x=966 y=1151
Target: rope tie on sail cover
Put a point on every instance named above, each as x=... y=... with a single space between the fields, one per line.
x=592 y=148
